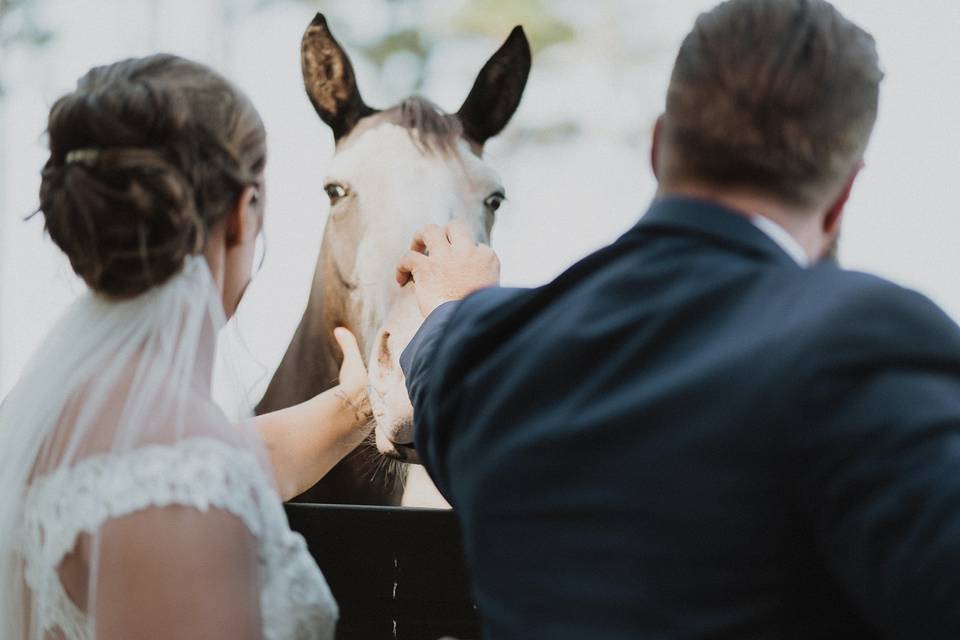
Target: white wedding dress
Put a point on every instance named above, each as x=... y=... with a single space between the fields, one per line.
x=109 y=432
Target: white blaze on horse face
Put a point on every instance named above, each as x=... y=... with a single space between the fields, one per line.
x=395 y=188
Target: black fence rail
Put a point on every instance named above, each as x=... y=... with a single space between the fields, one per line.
x=395 y=572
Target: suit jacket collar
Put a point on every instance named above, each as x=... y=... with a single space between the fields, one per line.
x=712 y=222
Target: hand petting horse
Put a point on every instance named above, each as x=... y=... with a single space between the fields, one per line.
x=394 y=171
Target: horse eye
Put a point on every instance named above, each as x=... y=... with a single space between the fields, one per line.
x=335 y=192
x=494 y=201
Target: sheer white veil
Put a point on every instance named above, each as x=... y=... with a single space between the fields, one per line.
x=110 y=378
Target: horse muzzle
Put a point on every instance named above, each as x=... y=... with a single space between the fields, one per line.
x=405 y=453
x=397 y=442
x=394 y=432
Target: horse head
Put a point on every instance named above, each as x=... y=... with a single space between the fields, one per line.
x=394 y=171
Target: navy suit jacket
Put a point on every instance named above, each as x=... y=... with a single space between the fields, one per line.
x=687 y=435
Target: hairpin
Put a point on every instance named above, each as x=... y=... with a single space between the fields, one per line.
x=84 y=156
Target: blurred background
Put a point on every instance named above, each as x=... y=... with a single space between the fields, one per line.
x=574 y=159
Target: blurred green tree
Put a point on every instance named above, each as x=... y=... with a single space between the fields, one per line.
x=496 y=17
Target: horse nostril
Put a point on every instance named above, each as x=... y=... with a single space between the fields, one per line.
x=383 y=354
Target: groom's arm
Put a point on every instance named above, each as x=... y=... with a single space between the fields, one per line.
x=419 y=364
x=453 y=340
x=878 y=451
x=416 y=359
x=443 y=266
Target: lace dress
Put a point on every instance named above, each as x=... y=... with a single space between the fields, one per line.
x=198 y=472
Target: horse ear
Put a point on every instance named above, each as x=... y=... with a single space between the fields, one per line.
x=496 y=93
x=329 y=79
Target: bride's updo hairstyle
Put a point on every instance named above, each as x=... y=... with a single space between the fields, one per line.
x=146 y=156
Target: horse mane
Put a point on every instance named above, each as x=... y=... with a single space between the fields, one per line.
x=432 y=130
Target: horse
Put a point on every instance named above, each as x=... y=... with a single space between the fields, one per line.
x=393 y=172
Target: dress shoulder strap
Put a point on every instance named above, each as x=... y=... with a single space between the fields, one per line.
x=199 y=472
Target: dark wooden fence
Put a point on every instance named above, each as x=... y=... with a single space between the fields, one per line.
x=395 y=572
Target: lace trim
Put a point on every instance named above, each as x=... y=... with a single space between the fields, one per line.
x=203 y=473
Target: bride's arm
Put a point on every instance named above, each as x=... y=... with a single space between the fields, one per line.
x=305 y=441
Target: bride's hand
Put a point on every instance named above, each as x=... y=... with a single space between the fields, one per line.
x=353 y=375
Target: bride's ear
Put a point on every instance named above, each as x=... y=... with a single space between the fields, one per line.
x=243 y=221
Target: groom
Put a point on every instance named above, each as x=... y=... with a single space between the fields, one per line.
x=705 y=430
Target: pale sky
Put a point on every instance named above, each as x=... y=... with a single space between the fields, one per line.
x=566 y=198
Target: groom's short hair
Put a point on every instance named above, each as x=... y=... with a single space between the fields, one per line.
x=775 y=95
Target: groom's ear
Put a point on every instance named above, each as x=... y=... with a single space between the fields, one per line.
x=834 y=216
x=656 y=146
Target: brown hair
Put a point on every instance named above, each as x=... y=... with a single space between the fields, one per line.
x=146 y=156
x=775 y=95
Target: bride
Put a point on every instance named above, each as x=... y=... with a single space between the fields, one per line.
x=132 y=507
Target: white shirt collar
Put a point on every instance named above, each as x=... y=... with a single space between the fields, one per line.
x=783 y=239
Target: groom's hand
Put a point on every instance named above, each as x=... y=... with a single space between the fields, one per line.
x=447 y=264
